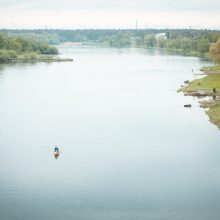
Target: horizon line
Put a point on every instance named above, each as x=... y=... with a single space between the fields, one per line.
x=138 y=29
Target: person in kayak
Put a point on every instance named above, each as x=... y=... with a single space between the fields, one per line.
x=56 y=149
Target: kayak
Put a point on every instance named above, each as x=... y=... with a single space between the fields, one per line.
x=56 y=154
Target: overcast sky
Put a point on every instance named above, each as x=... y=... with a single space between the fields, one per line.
x=110 y=13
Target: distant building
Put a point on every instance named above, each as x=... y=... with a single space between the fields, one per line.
x=160 y=36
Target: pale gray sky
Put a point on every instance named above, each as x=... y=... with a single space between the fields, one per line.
x=109 y=13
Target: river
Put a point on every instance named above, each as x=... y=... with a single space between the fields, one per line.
x=129 y=149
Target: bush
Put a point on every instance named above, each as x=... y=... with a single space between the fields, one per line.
x=7 y=55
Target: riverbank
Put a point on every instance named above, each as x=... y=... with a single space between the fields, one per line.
x=57 y=59
x=33 y=57
x=209 y=87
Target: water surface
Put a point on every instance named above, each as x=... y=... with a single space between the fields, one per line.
x=129 y=150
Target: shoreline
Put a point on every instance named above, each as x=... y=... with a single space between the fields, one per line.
x=47 y=60
x=207 y=87
x=42 y=60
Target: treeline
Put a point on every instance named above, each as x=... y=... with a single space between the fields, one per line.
x=13 y=47
x=215 y=51
x=56 y=36
x=184 y=41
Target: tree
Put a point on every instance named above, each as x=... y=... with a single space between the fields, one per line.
x=215 y=51
x=149 y=40
x=203 y=46
x=12 y=47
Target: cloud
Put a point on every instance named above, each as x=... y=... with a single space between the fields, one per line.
x=109 y=13
x=143 y=5
x=107 y=19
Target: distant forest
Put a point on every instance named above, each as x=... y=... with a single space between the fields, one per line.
x=184 y=41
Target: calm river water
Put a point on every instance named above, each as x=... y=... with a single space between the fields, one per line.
x=129 y=150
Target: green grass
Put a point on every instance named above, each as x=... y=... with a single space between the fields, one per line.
x=214 y=115
x=213 y=111
x=205 y=86
x=212 y=70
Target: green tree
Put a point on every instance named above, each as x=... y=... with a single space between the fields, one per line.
x=203 y=46
x=149 y=40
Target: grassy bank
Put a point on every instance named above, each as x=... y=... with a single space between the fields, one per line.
x=209 y=86
x=211 y=70
x=213 y=110
x=203 y=86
